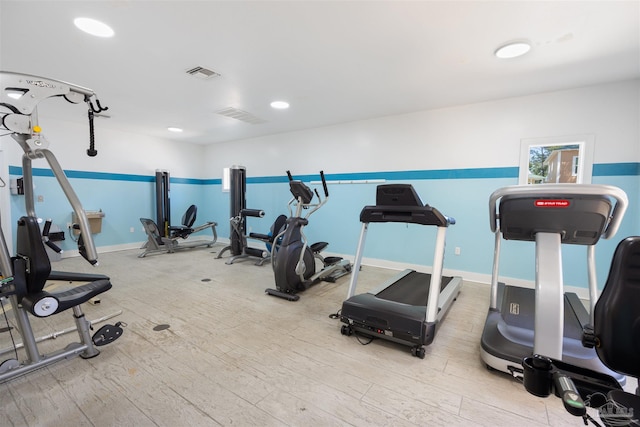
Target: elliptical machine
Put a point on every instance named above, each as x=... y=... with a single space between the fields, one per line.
x=293 y=259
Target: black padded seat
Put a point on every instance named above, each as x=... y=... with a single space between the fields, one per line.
x=617 y=312
x=188 y=219
x=37 y=270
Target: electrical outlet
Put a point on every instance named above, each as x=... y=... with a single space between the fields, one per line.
x=132 y=230
x=457 y=250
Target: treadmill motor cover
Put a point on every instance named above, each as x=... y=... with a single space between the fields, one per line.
x=395 y=321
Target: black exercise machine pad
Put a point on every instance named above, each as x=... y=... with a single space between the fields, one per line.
x=412 y=289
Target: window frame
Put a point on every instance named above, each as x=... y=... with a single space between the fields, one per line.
x=585 y=145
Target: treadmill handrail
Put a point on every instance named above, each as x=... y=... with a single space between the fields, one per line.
x=564 y=190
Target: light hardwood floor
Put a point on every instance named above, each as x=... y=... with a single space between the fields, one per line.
x=235 y=356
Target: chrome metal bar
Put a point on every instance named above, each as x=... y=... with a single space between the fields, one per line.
x=436 y=276
x=593 y=281
x=92 y=254
x=358 y=260
x=549 y=299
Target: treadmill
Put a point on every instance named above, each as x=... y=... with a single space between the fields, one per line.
x=545 y=320
x=408 y=308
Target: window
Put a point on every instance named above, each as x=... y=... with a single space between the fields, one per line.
x=556 y=160
x=226 y=180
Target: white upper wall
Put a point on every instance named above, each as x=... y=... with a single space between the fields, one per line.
x=118 y=152
x=470 y=136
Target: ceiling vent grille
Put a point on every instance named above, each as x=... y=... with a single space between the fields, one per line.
x=202 y=73
x=241 y=115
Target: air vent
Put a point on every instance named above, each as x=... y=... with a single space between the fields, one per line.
x=241 y=115
x=202 y=73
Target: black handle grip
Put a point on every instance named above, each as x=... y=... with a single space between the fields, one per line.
x=289 y=175
x=570 y=397
x=53 y=246
x=324 y=184
x=46 y=228
x=252 y=212
x=91 y=151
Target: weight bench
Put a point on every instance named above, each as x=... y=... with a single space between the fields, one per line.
x=156 y=243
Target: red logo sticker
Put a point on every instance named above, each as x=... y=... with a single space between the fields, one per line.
x=552 y=203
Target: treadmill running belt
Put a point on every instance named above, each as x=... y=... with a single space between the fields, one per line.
x=412 y=289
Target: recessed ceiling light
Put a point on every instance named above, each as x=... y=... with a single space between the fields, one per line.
x=513 y=50
x=93 y=27
x=280 y=105
x=174 y=129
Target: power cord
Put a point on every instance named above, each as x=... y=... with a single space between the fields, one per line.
x=6 y=319
x=335 y=315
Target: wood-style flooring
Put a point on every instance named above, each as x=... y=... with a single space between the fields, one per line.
x=232 y=355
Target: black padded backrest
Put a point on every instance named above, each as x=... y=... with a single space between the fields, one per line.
x=189 y=217
x=278 y=225
x=617 y=312
x=29 y=245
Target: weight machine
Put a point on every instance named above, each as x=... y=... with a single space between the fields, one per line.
x=238 y=246
x=161 y=235
x=24 y=276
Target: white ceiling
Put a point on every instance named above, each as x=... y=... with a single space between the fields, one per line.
x=334 y=61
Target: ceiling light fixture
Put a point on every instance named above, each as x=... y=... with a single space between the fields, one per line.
x=280 y=105
x=93 y=27
x=513 y=50
x=174 y=129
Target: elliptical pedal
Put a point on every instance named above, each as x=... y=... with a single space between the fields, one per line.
x=285 y=295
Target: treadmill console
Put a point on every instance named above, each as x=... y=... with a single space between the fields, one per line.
x=579 y=220
x=397 y=195
x=401 y=203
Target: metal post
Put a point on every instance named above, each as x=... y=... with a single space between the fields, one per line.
x=358 y=261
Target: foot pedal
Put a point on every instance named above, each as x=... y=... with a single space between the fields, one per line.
x=284 y=295
x=107 y=334
x=330 y=260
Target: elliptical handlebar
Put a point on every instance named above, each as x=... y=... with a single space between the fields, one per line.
x=324 y=185
x=303 y=196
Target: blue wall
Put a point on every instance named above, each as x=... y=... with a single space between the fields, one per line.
x=461 y=193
